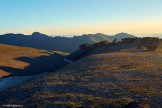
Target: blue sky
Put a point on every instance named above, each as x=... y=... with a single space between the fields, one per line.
x=63 y=17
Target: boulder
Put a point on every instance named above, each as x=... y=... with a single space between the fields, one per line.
x=151 y=43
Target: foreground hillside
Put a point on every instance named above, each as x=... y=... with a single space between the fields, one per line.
x=105 y=80
x=16 y=61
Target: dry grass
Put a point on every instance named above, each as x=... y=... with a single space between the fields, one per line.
x=114 y=79
x=9 y=55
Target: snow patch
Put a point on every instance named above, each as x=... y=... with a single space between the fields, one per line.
x=6 y=83
x=12 y=81
x=66 y=60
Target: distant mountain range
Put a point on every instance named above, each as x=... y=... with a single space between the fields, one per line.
x=58 y=43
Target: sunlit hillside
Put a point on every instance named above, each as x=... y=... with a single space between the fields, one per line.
x=27 y=61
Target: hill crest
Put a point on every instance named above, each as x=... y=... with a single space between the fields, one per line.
x=45 y=42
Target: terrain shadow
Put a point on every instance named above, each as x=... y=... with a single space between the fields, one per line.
x=37 y=65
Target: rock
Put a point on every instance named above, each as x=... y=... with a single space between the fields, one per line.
x=130 y=40
x=96 y=45
x=84 y=46
x=114 y=41
x=151 y=43
x=103 y=43
x=160 y=40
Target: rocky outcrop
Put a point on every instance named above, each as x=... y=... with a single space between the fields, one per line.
x=86 y=49
x=104 y=43
x=160 y=40
x=151 y=43
x=84 y=46
x=114 y=41
x=130 y=40
x=101 y=44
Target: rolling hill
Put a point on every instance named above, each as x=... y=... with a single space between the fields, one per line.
x=111 y=77
x=120 y=36
x=21 y=61
x=65 y=44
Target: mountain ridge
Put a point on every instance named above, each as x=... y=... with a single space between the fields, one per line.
x=65 y=44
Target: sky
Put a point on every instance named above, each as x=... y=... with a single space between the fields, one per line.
x=72 y=17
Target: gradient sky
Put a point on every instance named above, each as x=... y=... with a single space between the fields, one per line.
x=68 y=17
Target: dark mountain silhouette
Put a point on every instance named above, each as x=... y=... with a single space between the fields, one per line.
x=66 y=44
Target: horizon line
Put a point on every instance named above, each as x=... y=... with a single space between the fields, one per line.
x=109 y=34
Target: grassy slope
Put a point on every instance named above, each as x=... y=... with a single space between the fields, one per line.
x=114 y=78
x=9 y=57
x=98 y=38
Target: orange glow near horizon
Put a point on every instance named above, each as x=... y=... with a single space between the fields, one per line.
x=133 y=27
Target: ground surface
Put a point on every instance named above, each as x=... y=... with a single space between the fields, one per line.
x=22 y=60
x=111 y=79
